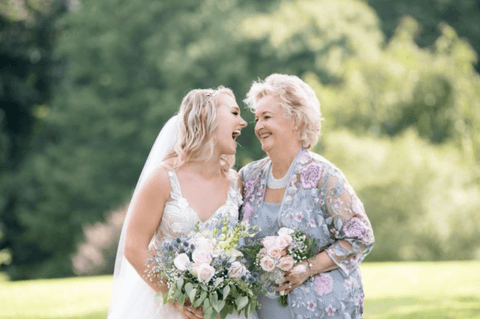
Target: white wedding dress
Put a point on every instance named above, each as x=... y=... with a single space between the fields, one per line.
x=136 y=299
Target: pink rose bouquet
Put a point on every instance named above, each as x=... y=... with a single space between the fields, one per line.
x=207 y=268
x=275 y=255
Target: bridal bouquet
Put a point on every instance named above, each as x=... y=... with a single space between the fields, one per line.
x=278 y=254
x=206 y=268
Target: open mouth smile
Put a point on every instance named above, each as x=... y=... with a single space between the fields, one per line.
x=235 y=134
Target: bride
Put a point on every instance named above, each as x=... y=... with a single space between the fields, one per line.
x=187 y=178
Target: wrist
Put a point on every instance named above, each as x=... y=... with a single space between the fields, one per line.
x=310 y=268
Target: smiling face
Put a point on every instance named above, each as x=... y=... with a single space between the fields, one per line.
x=230 y=124
x=273 y=129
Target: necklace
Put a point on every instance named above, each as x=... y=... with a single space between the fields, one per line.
x=274 y=183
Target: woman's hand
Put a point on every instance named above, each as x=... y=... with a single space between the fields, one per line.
x=306 y=269
x=188 y=311
x=294 y=278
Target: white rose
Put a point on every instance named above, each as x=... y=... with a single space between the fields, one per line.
x=237 y=270
x=201 y=256
x=182 y=262
x=285 y=231
x=205 y=272
x=203 y=243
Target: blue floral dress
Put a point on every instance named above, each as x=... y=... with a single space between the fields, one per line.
x=320 y=202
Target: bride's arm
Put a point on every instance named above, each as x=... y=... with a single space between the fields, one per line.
x=147 y=211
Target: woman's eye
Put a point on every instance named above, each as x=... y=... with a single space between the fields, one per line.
x=235 y=113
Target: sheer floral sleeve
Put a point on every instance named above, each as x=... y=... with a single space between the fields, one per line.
x=348 y=224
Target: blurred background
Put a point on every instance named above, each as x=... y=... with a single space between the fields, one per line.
x=86 y=85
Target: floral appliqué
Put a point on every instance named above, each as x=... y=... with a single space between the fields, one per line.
x=311 y=175
x=323 y=284
x=355 y=228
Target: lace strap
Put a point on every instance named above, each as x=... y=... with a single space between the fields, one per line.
x=174 y=183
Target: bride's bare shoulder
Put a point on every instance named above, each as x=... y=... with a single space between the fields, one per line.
x=158 y=182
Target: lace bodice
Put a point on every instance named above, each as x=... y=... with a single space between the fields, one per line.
x=179 y=217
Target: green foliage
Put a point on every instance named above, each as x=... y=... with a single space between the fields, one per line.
x=422 y=199
x=462 y=15
x=129 y=64
x=315 y=35
x=434 y=91
x=28 y=71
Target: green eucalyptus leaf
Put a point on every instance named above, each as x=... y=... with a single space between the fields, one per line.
x=226 y=291
x=217 y=282
x=180 y=282
x=181 y=301
x=192 y=294
x=200 y=300
x=219 y=306
x=242 y=303
x=188 y=287
x=165 y=298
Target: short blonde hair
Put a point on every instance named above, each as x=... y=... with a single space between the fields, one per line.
x=197 y=125
x=298 y=100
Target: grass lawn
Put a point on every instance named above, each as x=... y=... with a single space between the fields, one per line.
x=426 y=290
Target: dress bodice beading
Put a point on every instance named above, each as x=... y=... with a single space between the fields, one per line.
x=179 y=217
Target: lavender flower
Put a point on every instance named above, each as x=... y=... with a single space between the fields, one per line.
x=311 y=175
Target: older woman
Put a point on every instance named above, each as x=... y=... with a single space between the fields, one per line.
x=296 y=188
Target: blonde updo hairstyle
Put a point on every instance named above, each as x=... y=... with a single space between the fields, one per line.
x=197 y=126
x=298 y=101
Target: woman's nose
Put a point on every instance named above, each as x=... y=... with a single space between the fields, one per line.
x=243 y=123
x=258 y=126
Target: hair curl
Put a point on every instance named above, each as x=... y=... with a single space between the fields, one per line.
x=298 y=101
x=198 y=124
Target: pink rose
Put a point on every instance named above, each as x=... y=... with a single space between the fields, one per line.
x=201 y=257
x=283 y=241
x=286 y=263
x=274 y=252
x=236 y=270
x=267 y=264
x=269 y=241
x=205 y=272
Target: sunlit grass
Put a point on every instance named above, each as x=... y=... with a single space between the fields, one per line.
x=84 y=297
x=427 y=290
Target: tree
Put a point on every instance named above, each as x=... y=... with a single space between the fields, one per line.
x=434 y=90
x=28 y=71
x=129 y=66
x=461 y=15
